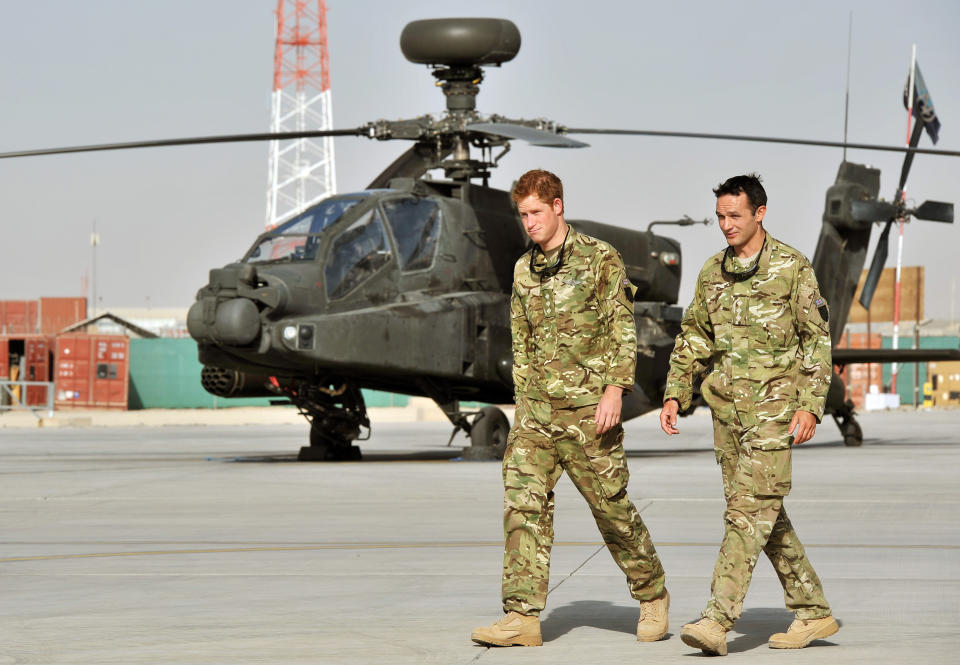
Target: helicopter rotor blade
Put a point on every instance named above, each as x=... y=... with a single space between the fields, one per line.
x=762 y=139
x=876 y=267
x=872 y=210
x=531 y=135
x=935 y=211
x=197 y=140
x=908 y=159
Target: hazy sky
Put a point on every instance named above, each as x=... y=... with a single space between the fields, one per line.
x=100 y=71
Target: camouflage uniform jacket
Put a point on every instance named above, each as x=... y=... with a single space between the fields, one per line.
x=573 y=332
x=767 y=338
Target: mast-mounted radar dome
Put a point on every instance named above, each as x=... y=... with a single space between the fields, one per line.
x=459 y=42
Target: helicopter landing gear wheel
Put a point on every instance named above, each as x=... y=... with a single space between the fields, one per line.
x=488 y=435
x=336 y=413
x=852 y=434
x=327 y=446
x=850 y=430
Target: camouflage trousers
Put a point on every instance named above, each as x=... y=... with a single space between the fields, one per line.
x=755 y=464
x=543 y=443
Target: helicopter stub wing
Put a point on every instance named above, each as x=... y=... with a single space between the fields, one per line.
x=859 y=356
x=531 y=135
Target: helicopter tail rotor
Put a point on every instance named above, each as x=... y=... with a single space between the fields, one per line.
x=872 y=210
x=878 y=211
x=894 y=211
x=935 y=211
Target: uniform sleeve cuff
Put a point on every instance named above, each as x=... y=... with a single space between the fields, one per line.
x=683 y=396
x=626 y=385
x=813 y=406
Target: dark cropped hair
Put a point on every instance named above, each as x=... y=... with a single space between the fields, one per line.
x=748 y=184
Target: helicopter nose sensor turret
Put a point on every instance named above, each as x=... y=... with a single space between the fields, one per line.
x=235 y=322
x=228 y=309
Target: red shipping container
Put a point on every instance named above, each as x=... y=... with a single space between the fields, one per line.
x=55 y=314
x=92 y=371
x=33 y=357
x=37 y=368
x=858 y=377
x=4 y=368
x=18 y=317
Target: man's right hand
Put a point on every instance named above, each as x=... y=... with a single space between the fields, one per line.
x=668 y=417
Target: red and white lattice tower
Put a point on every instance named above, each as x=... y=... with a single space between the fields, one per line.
x=301 y=171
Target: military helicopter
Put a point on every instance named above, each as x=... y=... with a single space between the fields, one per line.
x=404 y=286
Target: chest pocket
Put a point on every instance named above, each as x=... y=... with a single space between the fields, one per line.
x=575 y=300
x=772 y=311
x=720 y=311
x=533 y=307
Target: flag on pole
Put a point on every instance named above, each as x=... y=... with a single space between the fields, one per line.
x=922 y=105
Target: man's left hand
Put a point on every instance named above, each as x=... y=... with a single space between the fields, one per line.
x=806 y=424
x=607 y=415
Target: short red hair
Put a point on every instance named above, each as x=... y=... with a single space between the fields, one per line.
x=544 y=185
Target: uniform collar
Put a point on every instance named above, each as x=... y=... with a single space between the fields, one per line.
x=572 y=239
x=768 y=247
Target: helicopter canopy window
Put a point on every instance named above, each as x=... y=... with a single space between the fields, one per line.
x=356 y=254
x=299 y=239
x=416 y=227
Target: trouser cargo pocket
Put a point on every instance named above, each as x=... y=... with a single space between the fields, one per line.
x=608 y=461
x=770 y=459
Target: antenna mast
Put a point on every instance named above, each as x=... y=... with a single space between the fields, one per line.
x=301 y=172
x=846 y=99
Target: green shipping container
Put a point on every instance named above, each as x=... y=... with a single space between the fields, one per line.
x=165 y=374
x=905 y=382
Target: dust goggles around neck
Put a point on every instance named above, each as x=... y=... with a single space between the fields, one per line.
x=551 y=270
x=740 y=275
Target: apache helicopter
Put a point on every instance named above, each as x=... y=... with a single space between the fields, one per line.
x=404 y=287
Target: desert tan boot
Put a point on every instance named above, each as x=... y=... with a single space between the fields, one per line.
x=802 y=632
x=513 y=630
x=706 y=635
x=653 y=622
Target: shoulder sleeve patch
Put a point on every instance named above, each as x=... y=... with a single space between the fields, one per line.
x=822 y=308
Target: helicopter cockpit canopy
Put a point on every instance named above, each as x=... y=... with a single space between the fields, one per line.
x=357 y=253
x=415 y=223
x=299 y=238
x=362 y=248
x=359 y=247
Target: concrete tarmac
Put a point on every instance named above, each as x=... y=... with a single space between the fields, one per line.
x=192 y=544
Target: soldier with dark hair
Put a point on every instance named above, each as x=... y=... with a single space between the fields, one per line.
x=574 y=354
x=758 y=316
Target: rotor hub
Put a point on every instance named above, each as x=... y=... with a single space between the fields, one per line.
x=460 y=86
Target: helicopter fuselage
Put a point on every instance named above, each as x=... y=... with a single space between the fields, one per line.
x=406 y=290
